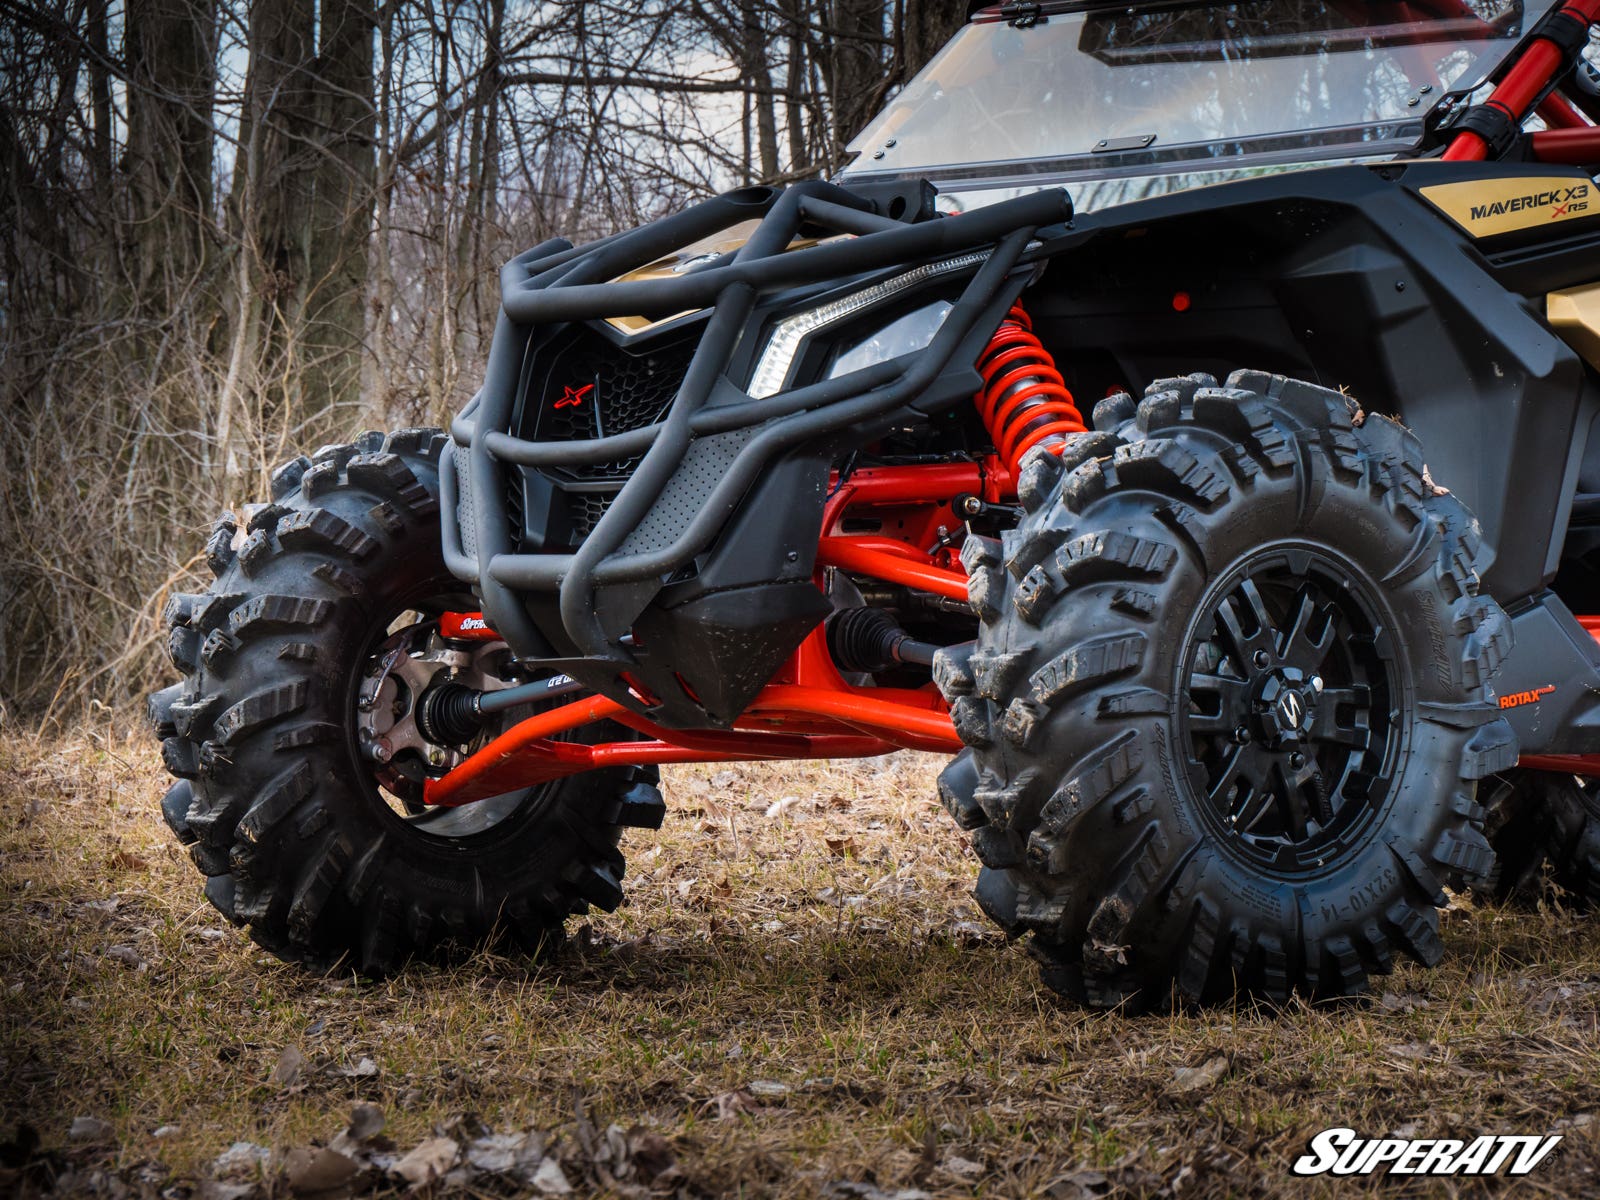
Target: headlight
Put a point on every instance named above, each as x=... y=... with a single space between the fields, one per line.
x=903 y=335
x=772 y=371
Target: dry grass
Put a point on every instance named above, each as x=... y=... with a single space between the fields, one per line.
x=791 y=1001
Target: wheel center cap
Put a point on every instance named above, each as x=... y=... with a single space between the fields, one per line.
x=1291 y=710
x=1285 y=705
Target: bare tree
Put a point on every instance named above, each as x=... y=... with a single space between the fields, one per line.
x=230 y=231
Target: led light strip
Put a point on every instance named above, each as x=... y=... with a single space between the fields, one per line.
x=773 y=370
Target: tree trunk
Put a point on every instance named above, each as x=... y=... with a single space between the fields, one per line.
x=753 y=51
x=794 y=113
x=855 y=70
x=271 y=204
x=171 y=78
x=929 y=24
x=342 y=185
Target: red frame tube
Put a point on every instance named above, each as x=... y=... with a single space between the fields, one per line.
x=1557 y=113
x=1520 y=86
x=865 y=556
x=1569 y=147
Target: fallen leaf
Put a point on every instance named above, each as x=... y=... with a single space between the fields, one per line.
x=366 y=1121
x=497 y=1153
x=778 y=807
x=127 y=956
x=839 y=847
x=90 y=1129
x=240 y=1160
x=767 y=1087
x=312 y=1170
x=427 y=1161
x=550 y=1179
x=365 y=1068
x=290 y=1063
x=1192 y=1079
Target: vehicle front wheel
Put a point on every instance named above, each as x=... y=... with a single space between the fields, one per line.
x=297 y=734
x=1226 y=710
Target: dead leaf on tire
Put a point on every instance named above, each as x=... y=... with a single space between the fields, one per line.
x=1208 y=1072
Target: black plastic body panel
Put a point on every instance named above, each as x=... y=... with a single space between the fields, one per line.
x=1347 y=277
x=1550 y=683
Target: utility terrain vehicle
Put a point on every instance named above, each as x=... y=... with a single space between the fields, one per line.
x=1226 y=526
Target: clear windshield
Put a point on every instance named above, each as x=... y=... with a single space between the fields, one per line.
x=1170 y=86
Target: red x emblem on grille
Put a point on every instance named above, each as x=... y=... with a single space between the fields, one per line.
x=572 y=397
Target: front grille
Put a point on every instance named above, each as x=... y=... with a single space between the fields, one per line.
x=581 y=387
x=584 y=510
x=603 y=389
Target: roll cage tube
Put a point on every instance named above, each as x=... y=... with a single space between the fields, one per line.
x=1551 y=49
x=555 y=284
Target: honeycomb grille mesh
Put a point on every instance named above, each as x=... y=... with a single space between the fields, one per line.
x=586 y=386
x=626 y=391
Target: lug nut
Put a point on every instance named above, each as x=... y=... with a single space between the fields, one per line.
x=1241 y=735
x=1296 y=761
x=1261 y=659
x=380 y=750
x=1316 y=684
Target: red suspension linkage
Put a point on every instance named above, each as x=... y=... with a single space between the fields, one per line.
x=1024 y=401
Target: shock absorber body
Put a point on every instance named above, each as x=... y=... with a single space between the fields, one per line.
x=1024 y=402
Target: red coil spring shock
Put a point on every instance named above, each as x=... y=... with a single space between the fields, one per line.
x=1024 y=401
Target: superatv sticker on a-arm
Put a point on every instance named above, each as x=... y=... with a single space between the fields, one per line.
x=1485 y=207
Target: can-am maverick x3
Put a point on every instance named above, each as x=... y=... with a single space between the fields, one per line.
x=1193 y=519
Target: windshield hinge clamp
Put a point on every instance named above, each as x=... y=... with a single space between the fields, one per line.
x=1568 y=33
x=1022 y=16
x=1493 y=124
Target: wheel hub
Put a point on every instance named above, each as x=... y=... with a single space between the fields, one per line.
x=1284 y=706
x=398 y=715
x=1289 y=721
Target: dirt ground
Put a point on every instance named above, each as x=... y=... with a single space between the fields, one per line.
x=800 y=1000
